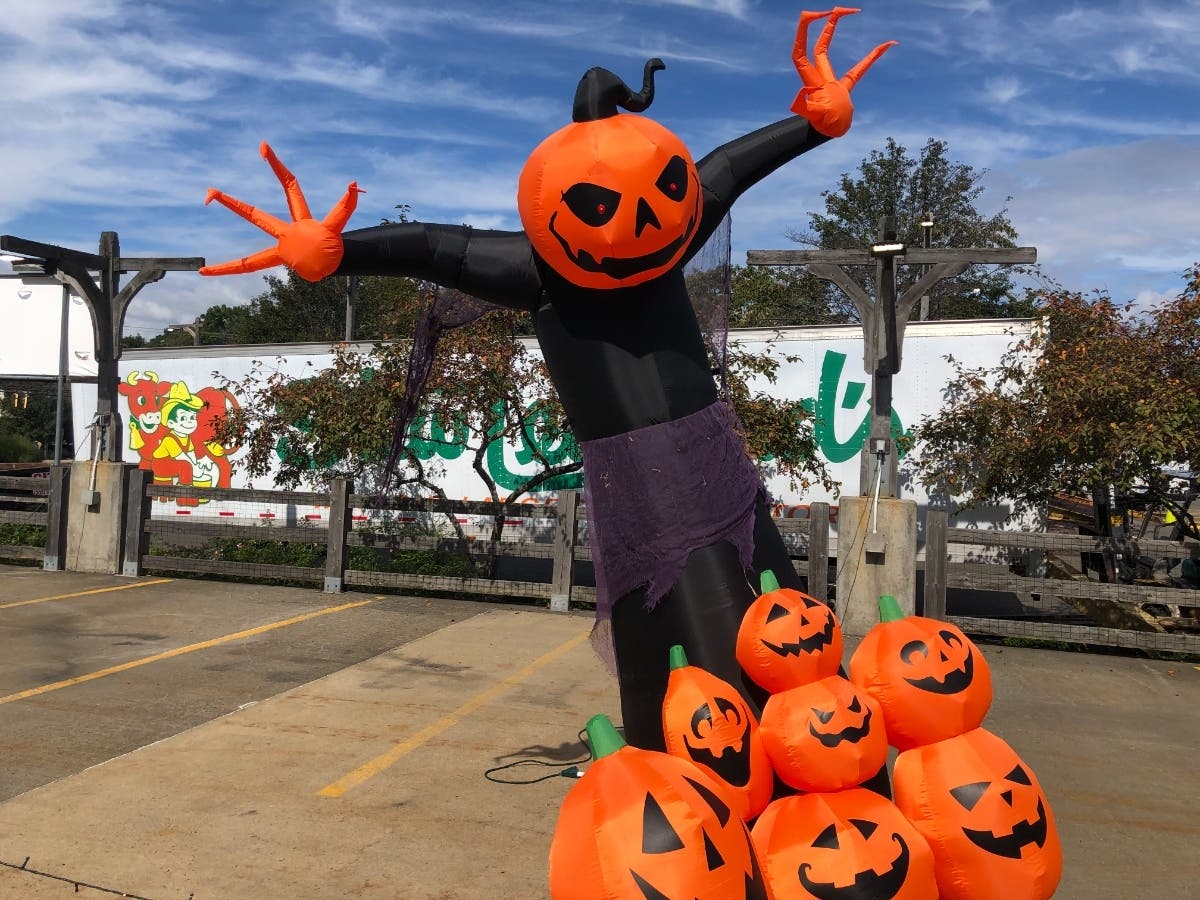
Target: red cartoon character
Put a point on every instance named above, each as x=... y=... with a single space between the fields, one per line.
x=145 y=394
x=176 y=459
x=218 y=403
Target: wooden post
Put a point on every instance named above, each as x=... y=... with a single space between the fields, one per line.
x=563 y=578
x=935 y=563
x=137 y=515
x=339 y=527
x=818 y=551
x=56 y=518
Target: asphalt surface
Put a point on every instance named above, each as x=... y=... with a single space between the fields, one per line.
x=191 y=739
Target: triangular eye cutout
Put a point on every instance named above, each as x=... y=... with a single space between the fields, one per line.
x=969 y=794
x=827 y=839
x=1019 y=775
x=865 y=827
x=776 y=612
x=822 y=715
x=712 y=854
x=718 y=807
x=649 y=891
x=658 y=835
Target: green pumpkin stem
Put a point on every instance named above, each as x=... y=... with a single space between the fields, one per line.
x=603 y=737
x=678 y=657
x=889 y=609
x=767 y=582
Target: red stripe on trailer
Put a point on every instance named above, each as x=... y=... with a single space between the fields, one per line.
x=183 y=512
x=313 y=516
x=360 y=518
x=226 y=512
x=266 y=515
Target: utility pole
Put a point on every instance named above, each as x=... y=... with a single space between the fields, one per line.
x=107 y=303
x=877 y=545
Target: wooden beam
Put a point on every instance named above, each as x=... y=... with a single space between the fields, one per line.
x=914 y=256
x=51 y=252
x=167 y=263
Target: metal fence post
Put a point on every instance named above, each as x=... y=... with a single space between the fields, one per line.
x=563 y=578
x=936 y=523
x=339 y=527
x=56 y=518
x=137 y=515
x=818 y=551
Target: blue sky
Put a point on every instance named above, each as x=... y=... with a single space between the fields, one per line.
x=120 y=115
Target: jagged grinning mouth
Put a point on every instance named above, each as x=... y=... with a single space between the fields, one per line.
x=866 y=884
x=852 y=733
x=1010 y=846
x=818 y=641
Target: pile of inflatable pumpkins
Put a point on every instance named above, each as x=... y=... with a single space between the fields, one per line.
x=777 y=807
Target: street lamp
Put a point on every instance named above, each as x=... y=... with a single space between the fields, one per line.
x=192 y=328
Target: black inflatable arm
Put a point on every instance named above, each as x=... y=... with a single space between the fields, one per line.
x=728 y=171
x=496 y=266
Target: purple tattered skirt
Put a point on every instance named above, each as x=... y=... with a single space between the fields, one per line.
x=656 y=494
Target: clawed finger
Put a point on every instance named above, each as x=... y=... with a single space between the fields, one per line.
x=856 y=72
x=341 y=212
x=297 y=205
x=263 y=259
x=267 y=222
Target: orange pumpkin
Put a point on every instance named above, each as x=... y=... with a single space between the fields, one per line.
x=787 y=638
x=613 y=199
x=645 y=824
x=851 y=844
x=824 y=736
x=930 y=679
x=707 y=722
x=984 y=815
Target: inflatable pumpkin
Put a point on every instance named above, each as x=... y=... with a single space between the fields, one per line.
x=930 y=679
x=984 y=815
x=645 y=824
x=707 y=722
x=824 y=736
x=851 y=844
x=788 y=638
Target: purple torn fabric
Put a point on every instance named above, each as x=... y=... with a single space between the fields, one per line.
x=656 y=494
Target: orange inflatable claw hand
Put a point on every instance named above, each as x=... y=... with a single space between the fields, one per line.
x=825 y=99
x=310 y=248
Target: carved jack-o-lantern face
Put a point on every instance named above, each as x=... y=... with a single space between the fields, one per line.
x=984 y=815
x=788 y=638
x=706 y=721
x=610 y=203
x=843 y=845
x=649 y=825
x=930 y=679
x=824 y=736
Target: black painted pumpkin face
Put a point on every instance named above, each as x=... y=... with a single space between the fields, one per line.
x=610 y=203
x=824 y=736
x=846 y=845
x=787 y=639
x=984 y=815
x=930 y=679
x=943 y=664
x=707 y=722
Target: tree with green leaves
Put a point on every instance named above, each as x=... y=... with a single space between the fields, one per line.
x=1103 y=396
x=927 y=187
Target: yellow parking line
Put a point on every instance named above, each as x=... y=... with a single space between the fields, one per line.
x=179 y=651
x=104 y=590
x=381 y=762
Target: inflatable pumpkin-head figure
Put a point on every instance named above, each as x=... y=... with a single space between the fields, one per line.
x=984 y=815
x=853 y=844
x=788 y=638
x=930 y=678
x=611 y=200
x=645 y=824
x=824 y=736
x=707 y=722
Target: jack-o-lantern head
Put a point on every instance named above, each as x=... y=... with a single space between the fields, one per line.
x=824 y=736
x=788 y=638
x=843 y=845
x=930 y=679
x=645 y=824
x=611 y=200
x=707 y=722
x=985 y=817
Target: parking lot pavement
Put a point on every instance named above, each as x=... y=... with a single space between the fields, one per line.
x=369 y=781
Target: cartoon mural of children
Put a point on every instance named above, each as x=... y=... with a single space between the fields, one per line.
x=144 y=393
x=176 y=460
